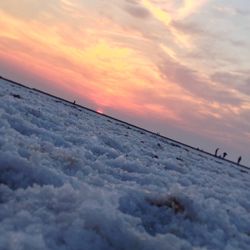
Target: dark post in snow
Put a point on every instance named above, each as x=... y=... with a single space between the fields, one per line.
x=239 y=159
x=74 y=102
x=216 y=152
x=224 y=155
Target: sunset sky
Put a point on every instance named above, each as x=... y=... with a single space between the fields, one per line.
x=177 y=67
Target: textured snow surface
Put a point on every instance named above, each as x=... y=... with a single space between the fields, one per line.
x=71 y=179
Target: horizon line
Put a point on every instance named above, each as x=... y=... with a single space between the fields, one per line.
x=124 y=122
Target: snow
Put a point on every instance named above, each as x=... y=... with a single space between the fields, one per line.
x=72 y=179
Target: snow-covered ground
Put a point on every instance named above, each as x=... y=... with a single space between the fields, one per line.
x=71 y=179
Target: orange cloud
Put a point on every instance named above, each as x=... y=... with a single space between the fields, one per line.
x=157 y=12
x=96 y=69
x=160 y=14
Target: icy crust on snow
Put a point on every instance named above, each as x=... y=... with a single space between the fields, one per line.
x=71 y=179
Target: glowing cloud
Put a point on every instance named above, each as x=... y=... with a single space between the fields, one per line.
x=157 y=12
x=189 y=7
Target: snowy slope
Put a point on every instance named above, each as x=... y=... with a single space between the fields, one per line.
x=72 y=179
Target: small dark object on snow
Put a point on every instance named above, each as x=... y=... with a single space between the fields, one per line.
x=216 y=152
x=176 y=205
x=74 y=102
x=16 y=96
x=175 y=145
x=179 y=159
x=170 y=202
x=224 y=155
x=156 y=156
x=239 y=159
x=243 y=171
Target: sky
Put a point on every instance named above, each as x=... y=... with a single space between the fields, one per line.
x=177 y=67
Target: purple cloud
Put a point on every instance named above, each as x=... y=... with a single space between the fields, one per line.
x=137 y=11
x=191 y=82
x=240 y=81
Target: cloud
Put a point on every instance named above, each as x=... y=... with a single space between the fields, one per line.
x=227 y=78
x=245 y=87
x=29 y=9
x=238 y=81
x=157 y=12
x=137 y=11
x=228 y=10
x=188 y=28
x=209 y=38
x=190 y=80
x=189 y=7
